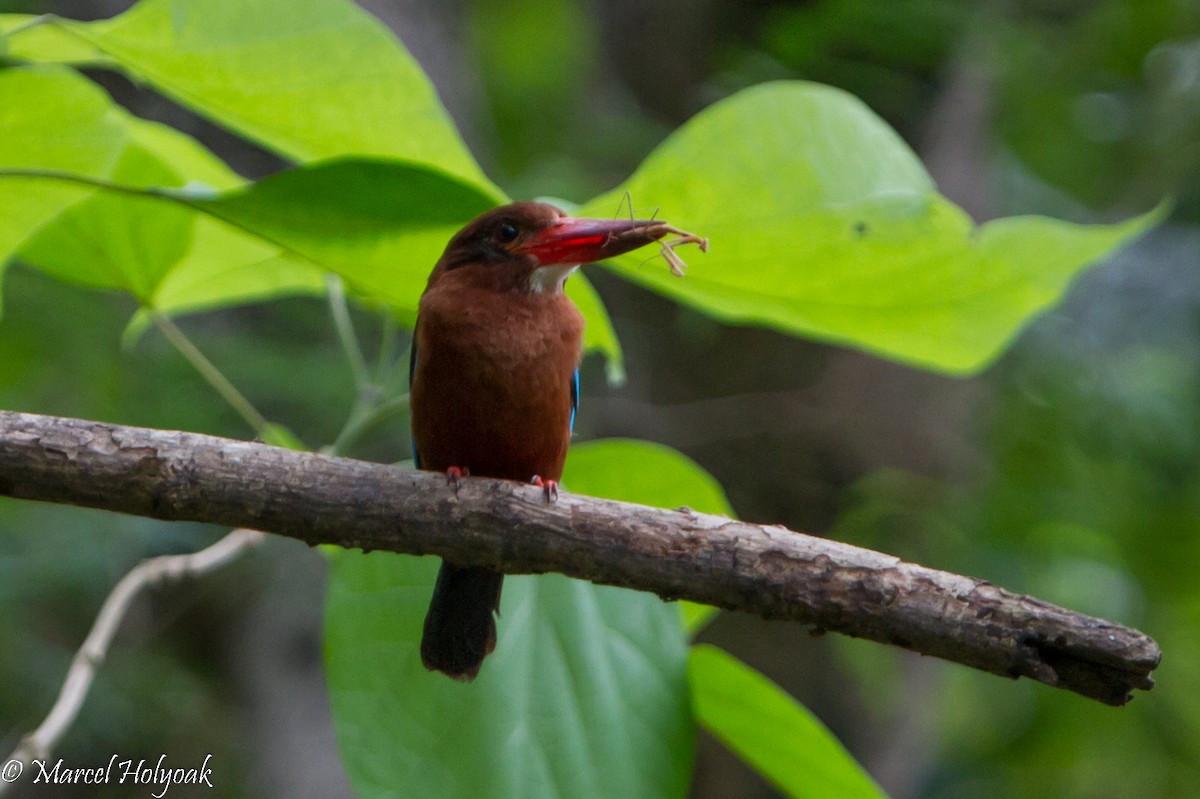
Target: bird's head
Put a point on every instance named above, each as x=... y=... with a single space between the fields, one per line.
x=534 y=247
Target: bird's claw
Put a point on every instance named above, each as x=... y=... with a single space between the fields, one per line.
x=549 y=487
x=455 y=475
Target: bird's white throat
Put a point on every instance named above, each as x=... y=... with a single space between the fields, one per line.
x=549 y=279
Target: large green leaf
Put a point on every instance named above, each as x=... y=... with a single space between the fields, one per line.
x=164 y=253
x=380 y=224
x=80 y=132
x=226 y=266
x=643 y=472
x=823 y=223
x=309 y=79
x=771 y=731
x=223 y=264
x=754 y=717
x=117 y=241
x=584 y=696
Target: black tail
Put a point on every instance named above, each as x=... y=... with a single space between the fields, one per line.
x=460 y=630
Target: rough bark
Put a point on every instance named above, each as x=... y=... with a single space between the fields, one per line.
x=677 y=554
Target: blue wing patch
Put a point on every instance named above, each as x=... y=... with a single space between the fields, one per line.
x=412 y=370
x=574 y=397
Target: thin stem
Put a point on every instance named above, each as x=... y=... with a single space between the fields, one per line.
x=28 y=24
x=387 y=346
x=345 y=331
x=211 y=373
x=362 y=419
x=401 y=375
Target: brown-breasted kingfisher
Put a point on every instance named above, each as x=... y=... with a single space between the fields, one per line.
x=495 y=382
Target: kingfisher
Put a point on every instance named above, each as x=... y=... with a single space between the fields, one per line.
x=494 y=382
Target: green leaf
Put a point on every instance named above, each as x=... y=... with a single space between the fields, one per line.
x=641 y=471
x=772 y=732
x=168 y=256
x=224 y=265
x=309 y=79
x=79 y=132
x=696 y=617
x=279 y=436
x=304 y=107
x=117 y=241
x=584 y=695
x=379 y=224
x=823 y=223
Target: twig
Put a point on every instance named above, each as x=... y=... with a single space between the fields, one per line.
x=363 y=418
x=38 y=744
x=504 y=525
x=371 y=405
x=344 y=326
x=29 y=24
x=387 y=347
x=211 y=374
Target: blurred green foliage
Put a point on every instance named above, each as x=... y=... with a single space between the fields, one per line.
x=1099 y=99
x=1089 y=497
x=1103 y=99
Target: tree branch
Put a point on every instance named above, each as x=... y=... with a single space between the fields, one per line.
x=678 y=554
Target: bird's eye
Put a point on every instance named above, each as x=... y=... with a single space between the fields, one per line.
x=506 y=233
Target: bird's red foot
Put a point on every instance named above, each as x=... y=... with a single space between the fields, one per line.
x=455 y=474
x=549 y=487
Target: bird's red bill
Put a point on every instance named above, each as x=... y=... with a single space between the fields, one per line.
x=581 y=241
